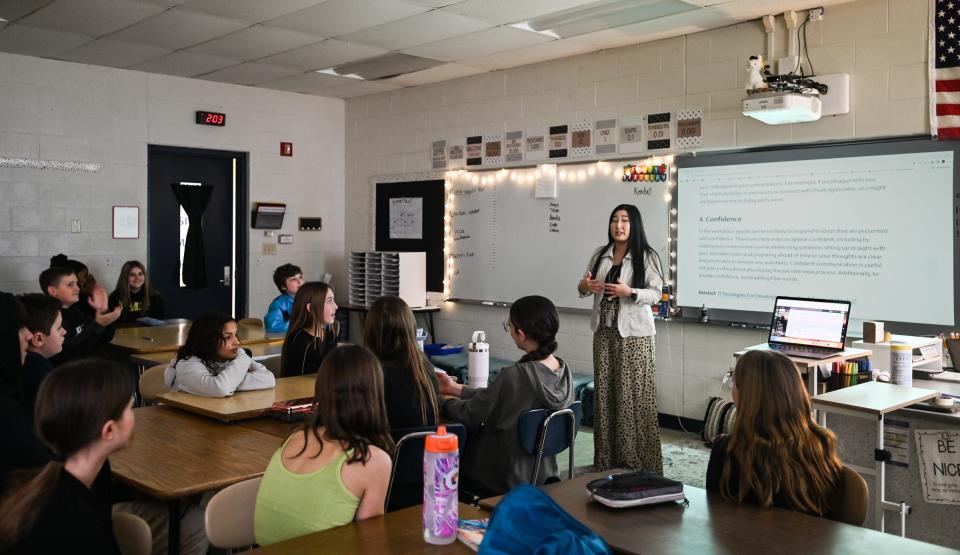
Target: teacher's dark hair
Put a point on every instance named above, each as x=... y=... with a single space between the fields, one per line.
x=537 y=318
x=73 y=404
x=638 y=247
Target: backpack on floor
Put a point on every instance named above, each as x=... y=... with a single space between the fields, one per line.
x=718 y=419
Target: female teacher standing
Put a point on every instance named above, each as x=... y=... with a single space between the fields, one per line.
x=624 y=278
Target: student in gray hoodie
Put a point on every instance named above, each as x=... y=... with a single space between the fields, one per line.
x=494 y=461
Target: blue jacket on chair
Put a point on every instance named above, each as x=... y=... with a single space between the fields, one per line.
x=278 y=315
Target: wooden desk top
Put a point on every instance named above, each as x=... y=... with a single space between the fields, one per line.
x=258 y=350
x=272 y=426
x=846 y=354
x=176 y=454
x=399 y=532
x=158 y=339
x=242 y=404
x=713 y=525
x=873 y=397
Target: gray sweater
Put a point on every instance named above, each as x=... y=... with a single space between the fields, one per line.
x=494 y=458
x=240 y=374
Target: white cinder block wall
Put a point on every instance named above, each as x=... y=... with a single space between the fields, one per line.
x=65 y=111
x=880 y=43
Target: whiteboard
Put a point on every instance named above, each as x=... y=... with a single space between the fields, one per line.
x=506 y=244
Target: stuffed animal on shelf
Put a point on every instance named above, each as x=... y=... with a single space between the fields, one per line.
x=755 y=79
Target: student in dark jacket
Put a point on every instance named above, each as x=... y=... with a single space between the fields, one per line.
x=84 y=414
x=313 y=330
x=409 y=382
x=85 y=333
x=45 y=324
x=134 y=295
x=19 y=445
x=496 y=462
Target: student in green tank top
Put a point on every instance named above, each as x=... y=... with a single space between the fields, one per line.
x=336 y=469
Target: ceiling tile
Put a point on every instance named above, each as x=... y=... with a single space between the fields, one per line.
x=531 y=54
x=112 y=53
x=251 y=11
x=165 y=3
x=338 y=17
x=359 y=88
x=416 y=30
x=488 y=41
x=34 y=41
x=249 y=74
x=669 y=26
x=12 y=10
x=185 y=64
x=498 y=12
x=90 y=17
x=435 y=74
x=434 y=3
x=176 y=28
x=323 y=55
x=309 y=83
x=254 y=42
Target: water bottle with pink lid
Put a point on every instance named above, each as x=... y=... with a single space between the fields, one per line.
x=441 y=470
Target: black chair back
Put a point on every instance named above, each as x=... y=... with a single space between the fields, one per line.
x=544 y=432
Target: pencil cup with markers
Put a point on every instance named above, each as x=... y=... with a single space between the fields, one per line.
x=850 y=372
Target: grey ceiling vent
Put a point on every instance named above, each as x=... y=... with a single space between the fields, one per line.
x=383 y=67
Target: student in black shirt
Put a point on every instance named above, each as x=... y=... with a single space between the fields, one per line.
x=134 y=295
x=410 y=385
x=84 y=413
x=84 y=332
x=313 y=330
x=45 y=324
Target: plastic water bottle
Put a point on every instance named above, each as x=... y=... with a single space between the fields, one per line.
x=441 y=470
x=421 y=337
x=478 y=360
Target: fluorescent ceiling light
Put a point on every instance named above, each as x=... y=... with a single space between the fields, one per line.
x=601 y=15
x=382 y=67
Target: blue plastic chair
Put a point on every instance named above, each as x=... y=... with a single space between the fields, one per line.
x=406 y=479
x=545 y=433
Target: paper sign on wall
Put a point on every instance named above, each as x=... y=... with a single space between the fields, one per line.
x=535 y=144
x=546 y=186
x=558 y=141
x=406 y=218
x=456 y=154
x=513 y=146
x=605 y=136
x=438 y=155
x=690 y=128
x=474 y=150
x=580 y=139
x=939 y=454
x=631 y=134
x=492 y=147
x=660 y=131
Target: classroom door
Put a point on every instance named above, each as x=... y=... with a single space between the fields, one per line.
x=216 y=278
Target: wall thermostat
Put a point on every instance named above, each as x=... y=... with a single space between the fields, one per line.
x=286 y=239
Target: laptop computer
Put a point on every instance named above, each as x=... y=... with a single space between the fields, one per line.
x=808 y=328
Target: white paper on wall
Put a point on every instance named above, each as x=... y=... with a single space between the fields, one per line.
x=605 y=136
x=513 y=146
x=535 y=144
x=406 y=218
x=631 y=134
x=456 y=153
x=558 y=141
x=438 y=155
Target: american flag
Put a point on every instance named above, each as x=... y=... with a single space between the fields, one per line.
x=945 y=68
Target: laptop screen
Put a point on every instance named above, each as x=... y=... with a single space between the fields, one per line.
x=809 y=322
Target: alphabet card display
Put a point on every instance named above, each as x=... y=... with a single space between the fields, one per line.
x=474 y=150
x=559 y=141
x=660 y=131
x=939 y=454
x=492 y=146
x=456 y=153
x=513 y=146
x=535 y=144
x=605 y=136
x=580 y=139
x=631 y=134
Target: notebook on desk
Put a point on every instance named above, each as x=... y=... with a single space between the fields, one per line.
x=808 y=328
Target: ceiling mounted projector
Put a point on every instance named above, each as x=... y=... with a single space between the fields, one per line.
x=782 y=107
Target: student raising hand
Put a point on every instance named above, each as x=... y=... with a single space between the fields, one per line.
x=98 y=302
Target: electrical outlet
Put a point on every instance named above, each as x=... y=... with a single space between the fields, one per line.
x=816 y=14
x=75 y=225
x=269 y=248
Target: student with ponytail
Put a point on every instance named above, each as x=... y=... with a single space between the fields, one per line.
x=84 y=413
x=494 y=462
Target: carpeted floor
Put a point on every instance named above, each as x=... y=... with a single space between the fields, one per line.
x=684 y=456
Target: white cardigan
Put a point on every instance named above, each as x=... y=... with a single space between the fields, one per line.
x=635 y=318
x=240 y=374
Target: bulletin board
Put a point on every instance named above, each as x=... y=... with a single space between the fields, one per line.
x=409 y=218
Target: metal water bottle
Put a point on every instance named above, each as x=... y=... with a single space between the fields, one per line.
x=441 y=471
x=478 y=360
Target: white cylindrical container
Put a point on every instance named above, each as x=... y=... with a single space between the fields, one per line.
x=901 y=364
x=478 y=360
x=421 y=337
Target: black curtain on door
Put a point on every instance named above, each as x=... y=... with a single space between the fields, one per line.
x=194 y=200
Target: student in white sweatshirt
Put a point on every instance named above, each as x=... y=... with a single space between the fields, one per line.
x=211 y=362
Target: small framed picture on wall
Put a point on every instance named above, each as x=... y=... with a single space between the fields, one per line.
x=126 y=222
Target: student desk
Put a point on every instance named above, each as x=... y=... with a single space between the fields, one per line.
x=809 y=365
x=361 y=311
x=399 y=532
x=242 y=404
x=176 y=454
x=713 y=525
x=158 y=339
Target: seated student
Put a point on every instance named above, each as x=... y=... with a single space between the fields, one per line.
x=288 y=279
x=85 y=280
x=776 y=455
x=313 y=330
x=409 y=382
x=336 y=469
x=84 y=414
x=45 y=323
x=84 y=332
x=496 y=462
x=211 y=362
x=134 y=295
x=19 y=446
